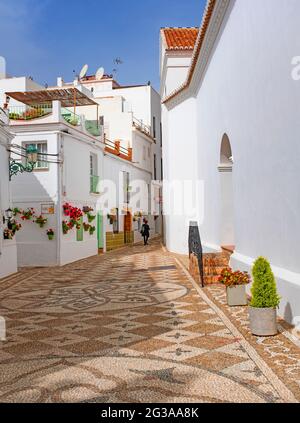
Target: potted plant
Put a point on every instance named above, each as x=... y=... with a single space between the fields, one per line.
x=8 y=234
x=92 y=230
x=65 y=227
x=16 y=211
x=15 y=226
x=235 y=283
x=86 y=226
x=50 y=233
x=41 y=221
x=265 y=300
x=91 y=217
x=27 y=214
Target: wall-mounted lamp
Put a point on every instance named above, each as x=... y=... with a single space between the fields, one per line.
x=31 y=160
x=8 y=217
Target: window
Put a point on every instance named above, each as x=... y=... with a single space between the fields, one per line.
x=154 y=166
x=144 y=152
x=79 y=233
x=154 y=127
x=94 y=179
x=160 y=134
x=42 y=149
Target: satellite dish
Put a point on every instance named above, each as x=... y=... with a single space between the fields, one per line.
x=99 y=74
x=83 y=71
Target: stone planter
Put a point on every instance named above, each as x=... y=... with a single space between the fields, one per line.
x=236 y=295
x=263 y=321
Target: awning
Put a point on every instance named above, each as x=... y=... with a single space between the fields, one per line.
x=65 y=95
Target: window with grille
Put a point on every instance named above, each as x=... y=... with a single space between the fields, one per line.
x=42 y=149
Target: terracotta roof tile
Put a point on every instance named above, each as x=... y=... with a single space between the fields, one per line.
x=210 y=6
x=180 y=38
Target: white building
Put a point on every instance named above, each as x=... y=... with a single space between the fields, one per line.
x=131 y=116
x=233 y=123
x=68 y=171
x=8 y=249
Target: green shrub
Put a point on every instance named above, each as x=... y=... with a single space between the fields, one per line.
x=264 y=291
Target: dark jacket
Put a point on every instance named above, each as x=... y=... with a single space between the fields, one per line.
x=145 y=230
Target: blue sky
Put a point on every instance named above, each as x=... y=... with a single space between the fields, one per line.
x=50 y=38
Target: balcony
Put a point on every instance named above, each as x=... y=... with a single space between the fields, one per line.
x=94 y=184
x=70 y=117
x=138 y=124
x=93 y=128
x=114 y=147
x=25 y=113
x=3 y=116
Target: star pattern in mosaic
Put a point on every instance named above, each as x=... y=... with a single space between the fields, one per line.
x=129 y=326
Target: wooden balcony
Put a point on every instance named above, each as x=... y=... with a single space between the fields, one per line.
x=114 y=147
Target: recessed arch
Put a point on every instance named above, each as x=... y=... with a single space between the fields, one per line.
x=227 y=237
x=226 y=156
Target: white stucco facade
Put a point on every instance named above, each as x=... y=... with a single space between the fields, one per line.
x=8 y=249
x=67 y=179
x=242 y=86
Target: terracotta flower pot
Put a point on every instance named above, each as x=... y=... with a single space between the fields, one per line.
x=236 y=295
x=263 y=321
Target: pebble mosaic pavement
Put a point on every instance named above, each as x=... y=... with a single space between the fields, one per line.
x=132 y=326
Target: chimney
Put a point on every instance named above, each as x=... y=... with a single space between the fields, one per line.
x=60 y=81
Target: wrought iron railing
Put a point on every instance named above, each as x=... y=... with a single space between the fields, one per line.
x=70 y=117
x=94 y=184
x=29 y=112
x=141 y=126
x=195 y=247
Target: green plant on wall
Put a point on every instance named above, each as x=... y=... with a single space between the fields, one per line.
x=264 y=290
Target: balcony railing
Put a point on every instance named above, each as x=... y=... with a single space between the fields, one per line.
x=93 y=127
x=70 y=117
x=141 y=126
x=115 y=147
x=94 y=184
x=29 y=112
x=3 y=116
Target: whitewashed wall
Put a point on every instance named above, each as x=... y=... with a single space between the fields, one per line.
x=249 y=94
x=8 y=250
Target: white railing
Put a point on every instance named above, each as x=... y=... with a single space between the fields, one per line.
x=141 y=126
x=3 y=116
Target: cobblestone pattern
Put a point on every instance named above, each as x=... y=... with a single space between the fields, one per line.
x=129 y=326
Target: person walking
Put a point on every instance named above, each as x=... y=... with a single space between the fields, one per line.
x=145 y=232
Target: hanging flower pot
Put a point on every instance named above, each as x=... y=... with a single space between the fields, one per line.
x=65 y=227
x=50 y=234
x=41 y=221
x=91 y=217
x=28 y=214
x=86 y=227
x=92 y=230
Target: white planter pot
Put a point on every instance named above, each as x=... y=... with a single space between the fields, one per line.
x=263 y=321
x=236 y=295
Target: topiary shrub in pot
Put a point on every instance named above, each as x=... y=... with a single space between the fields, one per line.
x=265 y=300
